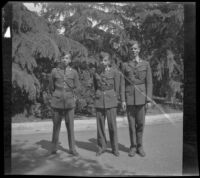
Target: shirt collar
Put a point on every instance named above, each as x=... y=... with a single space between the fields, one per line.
x=107 y=68
x=68 y=68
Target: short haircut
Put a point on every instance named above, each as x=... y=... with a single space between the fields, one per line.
x=66 y=54
x=132 y=42
x=59 y=60
x=105 y=54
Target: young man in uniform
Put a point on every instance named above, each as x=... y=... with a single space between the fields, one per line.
x=138 y=93
x=63 y=82
x=106 y=84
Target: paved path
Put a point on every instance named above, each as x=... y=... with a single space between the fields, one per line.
x=89 y=124
x=162 y=143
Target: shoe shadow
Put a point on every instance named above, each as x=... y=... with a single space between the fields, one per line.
x=30 y=161
x=90 y=146
x=87 y=146
x=120 y=146
x=47 y=145
x=123 y=148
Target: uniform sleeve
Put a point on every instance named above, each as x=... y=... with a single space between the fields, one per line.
x=76 y=81
x=51 y=81
x=122 y=83
x=123 y=68
x=149 y=83
x=122 y=87
x=94 y=77
x=117 y=82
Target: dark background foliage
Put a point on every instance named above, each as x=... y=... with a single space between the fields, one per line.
x=89 y=29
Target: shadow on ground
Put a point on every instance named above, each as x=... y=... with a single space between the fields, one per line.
x=35 y=160
x=45 y=144
x=94 y=142
x=91 y=145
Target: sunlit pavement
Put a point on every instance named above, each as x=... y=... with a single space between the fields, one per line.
x=162 y=144
x=89 y=124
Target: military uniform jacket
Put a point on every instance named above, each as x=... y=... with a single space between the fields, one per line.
x=63 y=83
x=137 y=82
x=106 y=87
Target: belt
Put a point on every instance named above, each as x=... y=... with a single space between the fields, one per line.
x=137 y=83
x=106 y=89
x=65 y=90
x=68 y=90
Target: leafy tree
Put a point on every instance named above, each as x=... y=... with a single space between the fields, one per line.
x=36 y=48
x=109 y=26
x=89 y=29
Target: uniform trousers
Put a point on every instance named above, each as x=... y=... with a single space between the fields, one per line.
x=136 y=120
x=69 y=122
x=110 y=113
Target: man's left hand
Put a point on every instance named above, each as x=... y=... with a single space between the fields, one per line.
x=149 y=105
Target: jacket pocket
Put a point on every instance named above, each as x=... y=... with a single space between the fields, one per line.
x=128 y=93
x=141 y=90
x=141 y=87
x=111 y=94
x=109 y=80
x=142 y=73
x=56 y=94
x=69 y=80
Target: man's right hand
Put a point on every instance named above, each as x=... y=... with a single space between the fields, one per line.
x=124 y=106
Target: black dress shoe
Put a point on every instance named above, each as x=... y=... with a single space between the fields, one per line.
x=116 y=153
x=101 y=151
x=141 y=152
x=54 y=152
x=51 y=154
x=73 y=152
x=132 y=152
